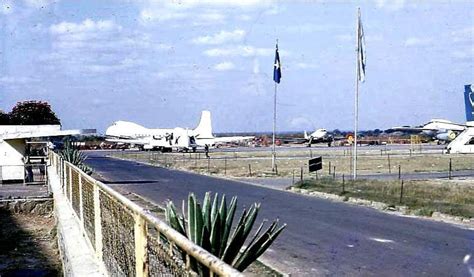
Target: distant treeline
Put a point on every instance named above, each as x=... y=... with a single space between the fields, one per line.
x=335 y=132
x=30 y=113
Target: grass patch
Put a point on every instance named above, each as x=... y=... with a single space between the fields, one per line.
x=421 y=197
x=236 y=164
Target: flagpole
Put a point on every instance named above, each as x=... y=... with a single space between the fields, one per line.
x=274 y=128
x=356 y=101
x=275 y=107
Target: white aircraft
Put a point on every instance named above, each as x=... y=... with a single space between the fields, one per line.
x=167 y=139
x=320 y=135
x=439 y=129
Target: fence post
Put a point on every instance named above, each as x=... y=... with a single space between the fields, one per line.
x=301 y=175
x=97 y=223
x=389 y=167
x=70 y=185
x=329 y=168
x=81 y=203
x=141 y=260
x=276 y=169
x=225 y=166
x=63 y=175
x=401 y=192
x=399 y=172
x=343 y=183
x=250 y=170
x=293 y=180
x=450 y=168
x=334 y=173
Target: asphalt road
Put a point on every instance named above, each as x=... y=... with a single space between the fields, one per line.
x=323 y=238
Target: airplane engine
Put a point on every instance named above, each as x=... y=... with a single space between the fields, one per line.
x=447 y=136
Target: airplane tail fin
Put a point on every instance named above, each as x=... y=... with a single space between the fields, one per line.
x=306 y=135
x=469 y=100
x=204 y=129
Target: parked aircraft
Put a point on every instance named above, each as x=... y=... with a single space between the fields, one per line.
x=320 y=135
x=167 y=139
x=439 y=129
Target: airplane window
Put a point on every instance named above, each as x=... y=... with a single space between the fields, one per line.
x=471 y=141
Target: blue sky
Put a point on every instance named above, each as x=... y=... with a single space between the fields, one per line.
x=159 y=63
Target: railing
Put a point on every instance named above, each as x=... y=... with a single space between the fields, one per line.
x=127 y=239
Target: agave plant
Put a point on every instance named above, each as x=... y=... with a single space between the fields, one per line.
x=75 y=156
x=210 y=226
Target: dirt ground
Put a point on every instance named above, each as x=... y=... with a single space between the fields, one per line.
x=28 y=245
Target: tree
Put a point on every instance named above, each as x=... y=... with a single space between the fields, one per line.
x=33 y=113
x=4 y=118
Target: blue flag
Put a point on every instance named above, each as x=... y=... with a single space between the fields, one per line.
x=469 y=100
x=277 y=67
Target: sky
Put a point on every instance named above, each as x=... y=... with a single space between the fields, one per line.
x=160 y=63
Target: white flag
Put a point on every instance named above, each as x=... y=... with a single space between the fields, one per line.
x=360 y=50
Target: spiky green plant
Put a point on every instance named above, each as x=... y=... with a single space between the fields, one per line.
x=75 y=156
x=210 y=226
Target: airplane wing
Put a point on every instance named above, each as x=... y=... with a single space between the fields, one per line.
x=49 y=133
x=232 y=139
x=408 y=129
x=128 y=141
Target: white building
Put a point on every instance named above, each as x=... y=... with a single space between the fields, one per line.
x=13 y=146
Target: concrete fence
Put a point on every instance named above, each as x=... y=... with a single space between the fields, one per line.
x=127 y=239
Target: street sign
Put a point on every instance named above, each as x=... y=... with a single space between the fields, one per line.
x=315 y=164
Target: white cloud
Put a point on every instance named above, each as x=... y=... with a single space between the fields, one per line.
x=197 y=12
x=87 y=26
x=224 y=66
x=39 y=3
x=390 y=5
x=97 y=47
x=221 y=37
x=241 y=50
x=185 y=4
x=414 y=41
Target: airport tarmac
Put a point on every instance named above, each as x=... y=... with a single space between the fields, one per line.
x=323 y=237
